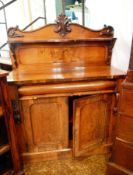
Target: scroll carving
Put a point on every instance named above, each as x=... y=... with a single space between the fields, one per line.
x=12 y=32
x=107 y=31
x=63 y=26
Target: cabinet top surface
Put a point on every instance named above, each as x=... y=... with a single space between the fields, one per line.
x=59 y=74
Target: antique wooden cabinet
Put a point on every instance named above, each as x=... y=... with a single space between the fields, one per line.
x=65 y=90
x=121 y=162
x=9 y=155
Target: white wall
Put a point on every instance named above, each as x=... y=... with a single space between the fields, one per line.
x=22 y=12
x=37 y=10
x=16 y=15
x=51 y=11
x=119 y=14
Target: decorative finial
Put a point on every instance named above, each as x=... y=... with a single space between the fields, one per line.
x=63 y=23
x=12 y=32
x=107 y=31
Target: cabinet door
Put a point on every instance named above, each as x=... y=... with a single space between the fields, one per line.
x=121 y=161
x=44 y=124
x=91 y=124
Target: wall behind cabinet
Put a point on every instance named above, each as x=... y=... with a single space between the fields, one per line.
x=117 y=13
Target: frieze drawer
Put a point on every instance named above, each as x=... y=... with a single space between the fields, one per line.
x=67 y=88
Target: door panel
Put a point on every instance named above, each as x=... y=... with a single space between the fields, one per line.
x=125 y=128
x=126 y=103
x=45 y=123
x=91 y=117
x=123 y=154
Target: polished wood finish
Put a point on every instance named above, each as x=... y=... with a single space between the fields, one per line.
x=43 y=130
x=49 y=34
x=60 y=73
x=45 y=46
x=123 y=154
x=66 y=88
x=60 y=52
x=91 y=131
x=9 y=121
x=121 y=162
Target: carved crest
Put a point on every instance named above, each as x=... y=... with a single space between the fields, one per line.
x=107 y=31
x=63 y=25
x=12 y=32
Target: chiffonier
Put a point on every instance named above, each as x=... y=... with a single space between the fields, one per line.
x=64 y=90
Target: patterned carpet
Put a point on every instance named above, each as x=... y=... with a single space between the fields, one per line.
x=94 y=165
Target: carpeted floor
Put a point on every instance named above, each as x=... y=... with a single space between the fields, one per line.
x=94 y=165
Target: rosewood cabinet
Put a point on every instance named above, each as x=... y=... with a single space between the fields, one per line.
x=9 y=155
x=121 y=162
x=65 y=90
